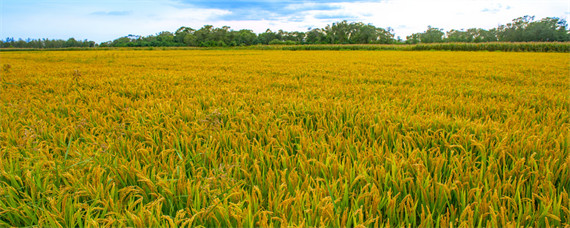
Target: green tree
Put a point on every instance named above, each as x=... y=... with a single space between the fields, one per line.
x=547 y=29
x=71 y=42
x=165 y=38
x=432 y=35
x=185 y=36
x=514 y=31
x=316 y=36
x=245 y=37
x=266 y=37
x=413 y=39
x=338 y=33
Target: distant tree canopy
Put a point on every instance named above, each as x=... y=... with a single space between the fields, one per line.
x=45 y=43
x=522 y=29
x=431 y=35
x=208 y=36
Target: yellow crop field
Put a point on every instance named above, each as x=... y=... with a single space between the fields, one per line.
x=273 y=138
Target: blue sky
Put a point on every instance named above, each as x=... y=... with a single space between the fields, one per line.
x=104 y=20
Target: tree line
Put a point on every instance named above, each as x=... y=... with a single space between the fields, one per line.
x=46 y=43
x=522 y=29
x=208 y=36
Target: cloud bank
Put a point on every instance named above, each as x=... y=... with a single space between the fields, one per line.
x=106 y=20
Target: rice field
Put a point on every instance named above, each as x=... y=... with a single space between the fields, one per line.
x=274 y=138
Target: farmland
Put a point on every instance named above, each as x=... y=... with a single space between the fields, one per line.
x=284 y=138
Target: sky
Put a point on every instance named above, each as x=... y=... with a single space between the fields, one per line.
x=105 y=20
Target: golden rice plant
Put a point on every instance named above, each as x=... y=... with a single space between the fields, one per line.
x=251 y=138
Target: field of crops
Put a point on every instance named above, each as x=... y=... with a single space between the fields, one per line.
x=284 y=138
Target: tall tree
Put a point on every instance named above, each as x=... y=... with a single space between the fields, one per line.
x=185 y=36
x=432 y=35
x=266 y=37
x=316 y=36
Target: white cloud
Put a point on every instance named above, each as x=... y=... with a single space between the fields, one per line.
x=411 y=16
x=106 y=20
x=96 y=21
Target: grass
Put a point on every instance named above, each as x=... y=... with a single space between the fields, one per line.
x=562 y=47
x=281 y=138
x=492 y=46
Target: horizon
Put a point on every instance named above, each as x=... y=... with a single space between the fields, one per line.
x=103 y=21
